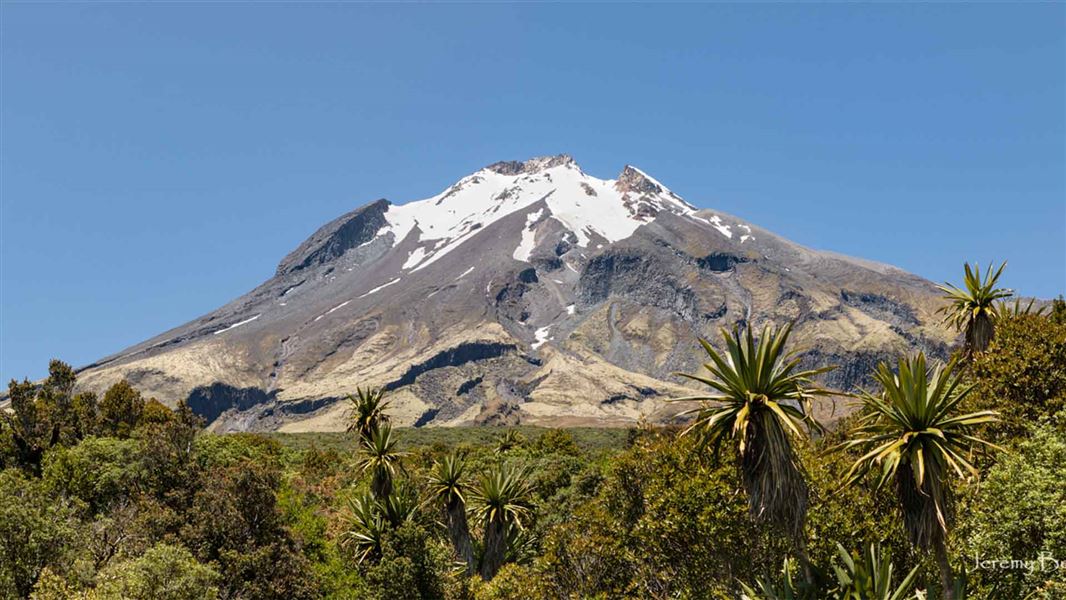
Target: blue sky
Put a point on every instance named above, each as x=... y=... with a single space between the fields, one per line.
x=157 y=160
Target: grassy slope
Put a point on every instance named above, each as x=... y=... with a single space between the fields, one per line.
x=590 y=439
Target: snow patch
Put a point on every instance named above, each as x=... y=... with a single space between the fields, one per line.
x=416 y=256
x=571 y=309
x=528 y=241
x=465 y=273
x=380 y=287
x=716 y=222
x=452 y=217
x=237 y=324
x=341 y=305
x=542 y=336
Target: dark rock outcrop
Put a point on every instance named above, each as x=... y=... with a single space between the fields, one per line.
x=211 y=401
x=337 y=237
x=638 y=277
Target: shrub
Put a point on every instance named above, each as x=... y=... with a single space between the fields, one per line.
x=1020 y=513
x=164 y=572
x=1022 y=374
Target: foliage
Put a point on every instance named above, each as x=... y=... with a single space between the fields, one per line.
x=502 y=500
x=218 y=451
x=762 y=402
x=1023 y=374
x=368 y=408
x=379 y=459
x=917 y=439
x=659 y=525
x=974 y=308
x=913 y=433
x=866 y=576
x=43 y=416
x=447 y=486
x=412 y=566
x=50 y=586
x=591 y=440
x=233 y=522
x=555 y=442
x=787 y=587
x=1020 y=513
x=98 y=471
x=869 y=576
x=1057 y=314
x=364 y=533
x=35 y=532
x=510 y=439
x=120 y=410
x=90 y=512
x=164 y=572
x=1006 y=309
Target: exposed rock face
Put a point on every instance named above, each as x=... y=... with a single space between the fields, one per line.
x=526 y=292
x=337 y=237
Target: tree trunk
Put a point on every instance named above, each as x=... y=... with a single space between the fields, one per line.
x=805 y=560
x=979 y=333
x=495 y=547
x=459 y=531
x=947 y=580
x=381 y=484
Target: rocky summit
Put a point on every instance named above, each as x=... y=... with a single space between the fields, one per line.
x=527 y=292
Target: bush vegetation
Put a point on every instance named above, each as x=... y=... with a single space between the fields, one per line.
x=126 y=498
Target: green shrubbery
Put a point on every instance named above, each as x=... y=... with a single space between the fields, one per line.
x=100 y=503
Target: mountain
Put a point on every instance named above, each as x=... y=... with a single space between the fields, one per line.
x=526 y=292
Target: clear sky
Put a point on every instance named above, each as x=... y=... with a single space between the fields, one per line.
x=157 y=160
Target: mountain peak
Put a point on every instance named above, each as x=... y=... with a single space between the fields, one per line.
x=533 y=165
x=583 y=289
x=632 y=179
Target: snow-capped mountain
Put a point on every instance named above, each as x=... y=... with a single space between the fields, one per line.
x=527 y=291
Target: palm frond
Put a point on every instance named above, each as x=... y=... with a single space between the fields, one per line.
x=783 y=587
x=447 y=479
x=512 y=438
x=974 y=307
x=401 y=505
x=503 y=495
x=1006 y=309
x=367 y=410
x=760 y=401
x=364 y=527
x=379 y=457
x=869 y=576
x=911 y=434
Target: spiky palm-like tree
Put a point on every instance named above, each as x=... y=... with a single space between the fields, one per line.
x=784 y=588
x=1006 y=309
x=869 y=577
x=401 y=505
x=761 y=402
x=502 y=499
x=379 y=457
x=365 y=527
x=367 y=411
x=974 y=309
x=447 y=484
x=913 y=434
x=512 y=438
